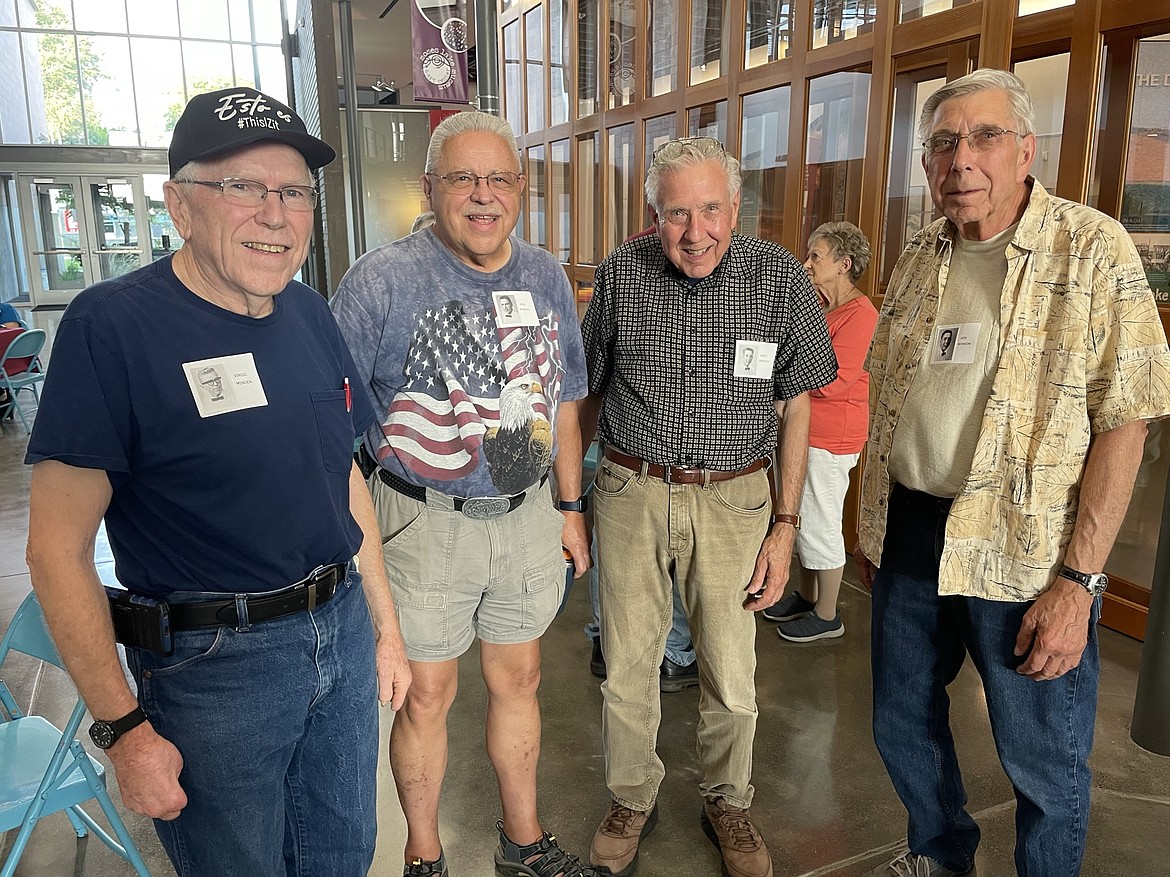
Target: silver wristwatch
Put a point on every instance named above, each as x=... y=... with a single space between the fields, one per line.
x=1095 y=583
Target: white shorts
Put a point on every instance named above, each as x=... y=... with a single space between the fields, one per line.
x=820 y=544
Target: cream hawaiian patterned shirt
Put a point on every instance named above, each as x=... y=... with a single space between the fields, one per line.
x=1081 y=351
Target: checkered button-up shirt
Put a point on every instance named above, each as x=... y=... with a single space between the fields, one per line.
x=661 y=351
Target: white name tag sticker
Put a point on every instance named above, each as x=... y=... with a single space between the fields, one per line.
x=225 y=383
x=954 y=344
x=754 y=359
x=514 y=308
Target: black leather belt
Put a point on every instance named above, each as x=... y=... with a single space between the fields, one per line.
x=309 y=593
x=680 y=474
x=477 y=507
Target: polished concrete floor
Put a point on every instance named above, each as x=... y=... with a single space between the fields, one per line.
x=823 y=801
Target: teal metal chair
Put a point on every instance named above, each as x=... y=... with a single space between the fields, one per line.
x=20 y=369
x=44 y=770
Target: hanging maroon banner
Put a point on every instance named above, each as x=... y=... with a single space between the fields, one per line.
x=438 y=42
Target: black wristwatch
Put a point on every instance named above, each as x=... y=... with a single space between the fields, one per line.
x=1095 y=583
x=106 y=734
x=576 y=505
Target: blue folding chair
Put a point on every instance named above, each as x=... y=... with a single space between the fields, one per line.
x=20 y=369
x=43 y=770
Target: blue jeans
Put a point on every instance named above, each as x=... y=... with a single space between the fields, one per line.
x=679 y=647
x=278 y=729
x=1043 y=730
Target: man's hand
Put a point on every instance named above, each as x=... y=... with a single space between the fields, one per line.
x=866 y=571
x=1054 y=631
x=773 y=565
x=148 y=768
x=575 y=537
x=393 y=668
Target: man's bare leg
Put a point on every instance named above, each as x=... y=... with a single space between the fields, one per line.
x=418 y=753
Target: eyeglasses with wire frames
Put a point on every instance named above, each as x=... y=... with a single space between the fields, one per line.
x=983 y=139
x=500 y=182
x=685 y=140
x=249 y=193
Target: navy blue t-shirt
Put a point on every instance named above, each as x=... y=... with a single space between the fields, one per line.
x=226 y=439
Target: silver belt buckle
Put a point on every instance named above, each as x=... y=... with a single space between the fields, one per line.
x=481 y=508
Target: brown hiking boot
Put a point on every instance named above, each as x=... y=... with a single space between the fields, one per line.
x=730 y=829
x=615 y=844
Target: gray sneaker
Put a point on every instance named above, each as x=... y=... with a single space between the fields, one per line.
x=811 y=627
x=909 y=864
x=788 y=608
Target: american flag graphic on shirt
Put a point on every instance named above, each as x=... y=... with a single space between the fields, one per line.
x=454 y=374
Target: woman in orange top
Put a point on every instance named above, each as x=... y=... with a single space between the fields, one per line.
x=838 y=253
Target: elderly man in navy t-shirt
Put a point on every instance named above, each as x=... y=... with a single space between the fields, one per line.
x=252 y=739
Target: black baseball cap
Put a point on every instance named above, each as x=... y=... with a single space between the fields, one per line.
x=222 y=121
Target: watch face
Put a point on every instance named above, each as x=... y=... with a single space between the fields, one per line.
x=102 y=734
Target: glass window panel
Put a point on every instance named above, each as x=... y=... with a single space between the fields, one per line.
x=104 y=16
x=158 y=84
x=837 y=20
x=506 y=4
x=708 y=39
x=911 y=9
x=769 y=31
x=560 y=206
x=658 y=132
x=834 y=148
x=621 y=188
x=54 y=91
x=1027 y=7
x=115 y=228
x=13 y=106
x=244 y=61
x=588 y=200
x=8 y=13
x=240 y=14
x=558 y=55
x=153 y=17
x=1046 y=80
x=266 y=15
x=662 y=56
x=208 y=66
x=709 y=120
x=273 y=74
x=203 y=19
x=908 y=204
x=764 y=162
x=46 y=13
x=513 y=106
x=164 y=238
x=1145 y=211
x=622 y=76
x=588 y=17
x=537 y=193
x=108 y=89
x=393 y=156
x=534 y=66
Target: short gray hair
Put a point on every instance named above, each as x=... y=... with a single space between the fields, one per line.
x=983 y=80
x=845 y=240
x=192 y=170
x=464 y=123
x=678 y=155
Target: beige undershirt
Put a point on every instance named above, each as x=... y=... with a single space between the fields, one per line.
x=934 y=441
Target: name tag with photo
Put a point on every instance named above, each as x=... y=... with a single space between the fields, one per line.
x=514 y=308
x=954 y=344
x=225 y=383
x=754 y=359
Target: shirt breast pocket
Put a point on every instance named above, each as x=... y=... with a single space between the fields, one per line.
x=334 y=428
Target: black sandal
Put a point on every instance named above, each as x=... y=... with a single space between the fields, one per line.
x=545 y=858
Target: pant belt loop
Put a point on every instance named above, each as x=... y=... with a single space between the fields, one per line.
x=642 y=472
x=706 y=479
x=243 y=623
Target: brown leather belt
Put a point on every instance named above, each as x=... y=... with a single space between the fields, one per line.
x=679 y=474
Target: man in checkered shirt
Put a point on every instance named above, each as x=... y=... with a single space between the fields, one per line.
x=689 y=432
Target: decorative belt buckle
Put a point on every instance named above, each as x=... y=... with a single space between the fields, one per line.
x=481 y=508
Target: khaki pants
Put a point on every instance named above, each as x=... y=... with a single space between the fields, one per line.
x=711 y=537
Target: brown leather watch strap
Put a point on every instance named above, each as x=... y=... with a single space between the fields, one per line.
x=794 y=520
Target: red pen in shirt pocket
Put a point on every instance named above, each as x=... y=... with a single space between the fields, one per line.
x=348 y=396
